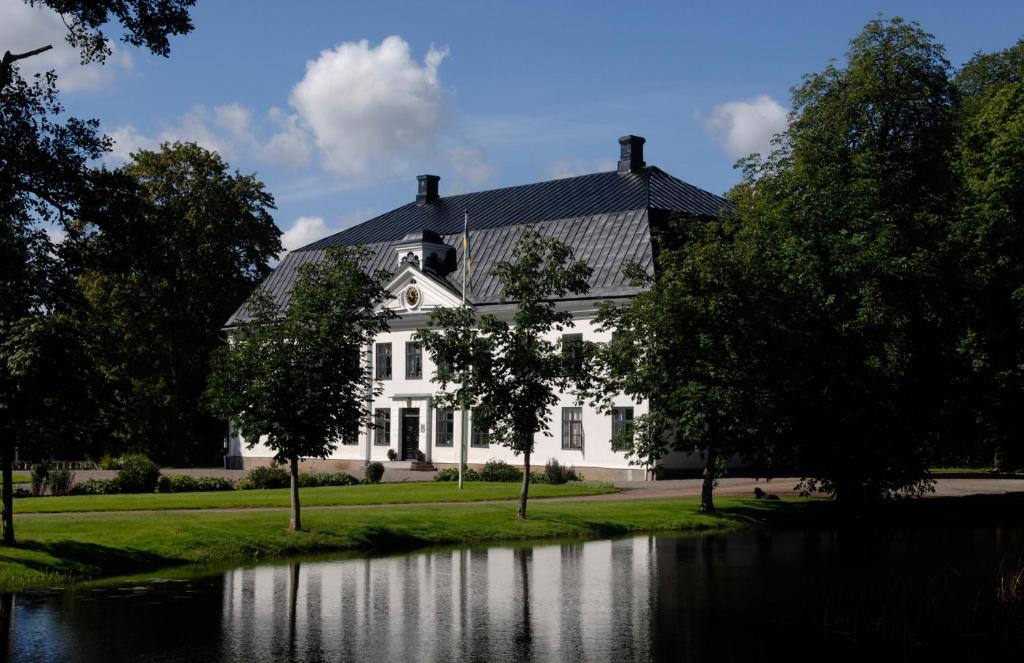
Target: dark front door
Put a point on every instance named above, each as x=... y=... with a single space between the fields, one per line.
x=410 y=433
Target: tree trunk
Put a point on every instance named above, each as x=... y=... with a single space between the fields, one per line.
x=521 y=514
x=7 y=498
x=707 y=503
x=295 y=524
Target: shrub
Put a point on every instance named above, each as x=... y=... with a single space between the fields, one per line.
x=392 y=454
x=19 y=491
x=452 y=474
x=499 y=470
x=60 y=481
x=214 y=484
x=317 y=479
x=108 y=462
x=40 y=474
x=268 y=477
x=374 y=472
x=138 y=474
x=183 y=483
x=97 y=487
x=556 y=473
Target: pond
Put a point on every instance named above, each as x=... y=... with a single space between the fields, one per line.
x=743 y=596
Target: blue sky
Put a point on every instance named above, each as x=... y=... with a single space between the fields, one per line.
x=336 y=106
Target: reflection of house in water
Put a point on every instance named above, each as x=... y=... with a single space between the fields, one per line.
x=589 y=601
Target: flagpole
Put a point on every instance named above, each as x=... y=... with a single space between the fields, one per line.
x=465 y=267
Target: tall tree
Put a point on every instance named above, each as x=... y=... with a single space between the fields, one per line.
x=988 y=241
x=508 y=371
x=856 y=200
x=293 y=374
x=698 y=345
x=160 y=277
x=45 y=177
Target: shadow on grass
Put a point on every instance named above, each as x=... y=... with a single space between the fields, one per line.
x=971 y=510
x=86 y=558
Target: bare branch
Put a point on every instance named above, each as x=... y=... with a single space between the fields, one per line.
x=10 y=58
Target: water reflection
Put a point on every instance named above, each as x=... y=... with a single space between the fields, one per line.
x=734 y=597
x=557 y=602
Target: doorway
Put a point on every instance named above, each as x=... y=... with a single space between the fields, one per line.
x=410 y=433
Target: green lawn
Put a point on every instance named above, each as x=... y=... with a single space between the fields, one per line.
x=56 y=549
x=383 y=493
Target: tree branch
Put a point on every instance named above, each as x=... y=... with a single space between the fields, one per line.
x=10 y=58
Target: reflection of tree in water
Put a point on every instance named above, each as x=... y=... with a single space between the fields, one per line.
x=523 y=633
x=6 y=617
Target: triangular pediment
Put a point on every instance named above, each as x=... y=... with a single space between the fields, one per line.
x=415 y=291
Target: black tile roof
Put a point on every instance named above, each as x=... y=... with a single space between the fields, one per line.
x=647 y=188
x=603 y=217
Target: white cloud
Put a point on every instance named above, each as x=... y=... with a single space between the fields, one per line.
x=306 y=229
x=470 y=164
x=127 y=139
x=368 y=112
x=561 y=168
x=290 y=145
x=231 y=130
x=371 y=108
x=24 y=28
x=746 y=126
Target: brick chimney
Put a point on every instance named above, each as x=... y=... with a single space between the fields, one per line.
x=427 y=191
x=631 y=154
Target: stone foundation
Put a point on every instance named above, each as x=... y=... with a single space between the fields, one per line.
x=305 y=465
x=611 y=474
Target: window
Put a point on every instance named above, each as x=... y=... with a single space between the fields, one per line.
x=383 y=361
x=445 y=430
x=481 y=436
x=413 y=361
x=572 y=352
x=572 y=428
x=382 y=427
x=622 y=435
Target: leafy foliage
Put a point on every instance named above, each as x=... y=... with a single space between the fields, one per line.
x=159 y=279
x=499 y=470
x=45 y=176
x=509 y=371
x=374 y=472
x=556 y=473
x=850 y=215
x=96 y=487
x=294 y=373
x=697 y=346
x=266 y=477
x=987 y=240
x=138 y=474
x=183 y=483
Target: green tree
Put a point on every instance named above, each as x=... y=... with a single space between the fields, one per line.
x=508 y=371
x=45 y=177
x=854 y=206
x=160 y=276
x=698 y=346
x=293 y=373
x=988 y=240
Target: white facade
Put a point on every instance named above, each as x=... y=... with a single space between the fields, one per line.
x=410 y=399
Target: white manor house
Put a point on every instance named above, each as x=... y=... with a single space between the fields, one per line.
x=607 y=219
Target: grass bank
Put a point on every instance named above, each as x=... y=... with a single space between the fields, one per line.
x=59 y=549
x=382 y=493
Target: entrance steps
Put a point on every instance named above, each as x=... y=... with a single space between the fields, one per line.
x=411 y=465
